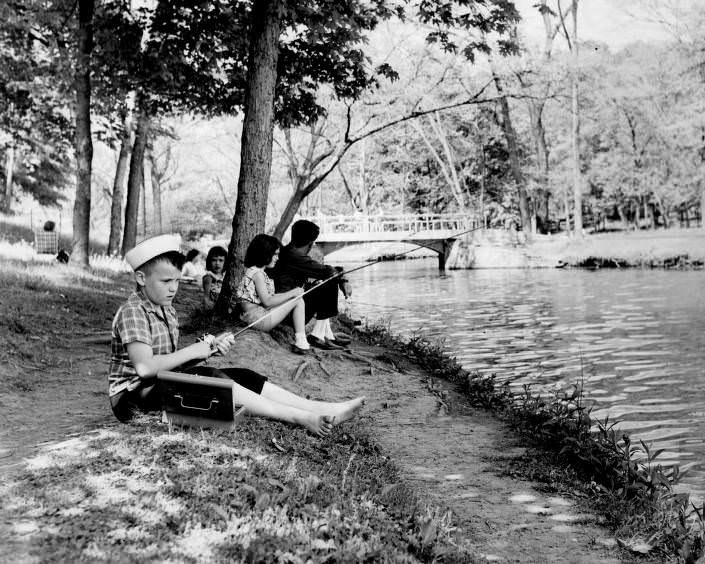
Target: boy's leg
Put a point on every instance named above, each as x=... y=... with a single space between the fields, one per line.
x=257 y=404
x=126 y=405
x=248 y=392
x=342 y=411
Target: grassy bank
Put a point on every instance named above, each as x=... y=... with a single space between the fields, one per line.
x=623 y=481
x=146 y=492
x=267 y=492
x=673 y=248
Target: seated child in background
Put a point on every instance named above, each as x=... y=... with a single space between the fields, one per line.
x=145 y=332
x=213 y=278
x=256 y=297
x=297 y=268
x=192 y=270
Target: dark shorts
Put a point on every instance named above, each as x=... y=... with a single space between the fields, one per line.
x=128 y=404
x=322 y=301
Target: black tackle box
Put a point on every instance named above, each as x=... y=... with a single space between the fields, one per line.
x=197 y=401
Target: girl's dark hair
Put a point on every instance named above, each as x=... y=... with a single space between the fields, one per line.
x=261 y=250
x=216 y=251
x=192 y=254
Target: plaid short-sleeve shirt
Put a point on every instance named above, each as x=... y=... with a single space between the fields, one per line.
x=138 y=319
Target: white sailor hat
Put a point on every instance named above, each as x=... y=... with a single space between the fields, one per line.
x=152 y=247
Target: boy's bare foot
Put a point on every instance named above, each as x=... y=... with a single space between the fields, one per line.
x=320 y=425
x=349 y=409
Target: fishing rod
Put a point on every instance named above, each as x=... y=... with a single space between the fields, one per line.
x=333 y=277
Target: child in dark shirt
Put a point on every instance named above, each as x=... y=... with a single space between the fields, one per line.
x=296 y=268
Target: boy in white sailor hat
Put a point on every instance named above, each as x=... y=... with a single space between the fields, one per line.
x=145 y=333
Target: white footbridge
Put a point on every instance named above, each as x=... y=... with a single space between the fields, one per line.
x=436 y=232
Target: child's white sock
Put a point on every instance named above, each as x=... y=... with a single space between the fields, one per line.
x=329 y=331
x=301 y=342
x=319 y=329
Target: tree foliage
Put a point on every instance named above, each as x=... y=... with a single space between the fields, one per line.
x=34 y=112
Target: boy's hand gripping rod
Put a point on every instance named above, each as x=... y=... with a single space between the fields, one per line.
x=325 y=281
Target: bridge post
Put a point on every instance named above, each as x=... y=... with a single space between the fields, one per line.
x=446 y=246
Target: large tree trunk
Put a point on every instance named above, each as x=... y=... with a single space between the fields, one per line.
x=513 y=150
x=119 y=187
x=134 y=181
x=156 y=191
x=82 y=137
x=9 y=171
x=577 y=177
x=257 y=139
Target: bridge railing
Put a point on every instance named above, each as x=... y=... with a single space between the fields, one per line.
x=393 y=223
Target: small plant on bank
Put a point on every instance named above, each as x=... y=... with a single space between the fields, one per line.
x=633 y=491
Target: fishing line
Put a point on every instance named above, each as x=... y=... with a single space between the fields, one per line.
x=337 y=275
x=357 y=303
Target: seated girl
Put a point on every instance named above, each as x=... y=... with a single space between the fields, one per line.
x=192 y=270
x=213 y=278
x=256 y=297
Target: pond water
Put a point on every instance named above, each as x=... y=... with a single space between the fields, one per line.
x=637 y=337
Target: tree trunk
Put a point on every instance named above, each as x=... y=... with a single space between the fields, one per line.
x=156 y=191
x=363 y=199
x=134 y=181
x=143 y=201
x=538 y=129
x=446 y=163
x=566 y=209
x=577 y=178
x=9 y=170
x=257 y=139
x=513 y=150
x=82 y=136
x=541 y=148
x=301 y=191
x=292 y=206
x=483 y=220
x=622 y=216
x=702 y=207
x=119 y=188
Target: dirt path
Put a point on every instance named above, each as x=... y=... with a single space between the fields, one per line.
x=454 y=455
x=53 y=411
